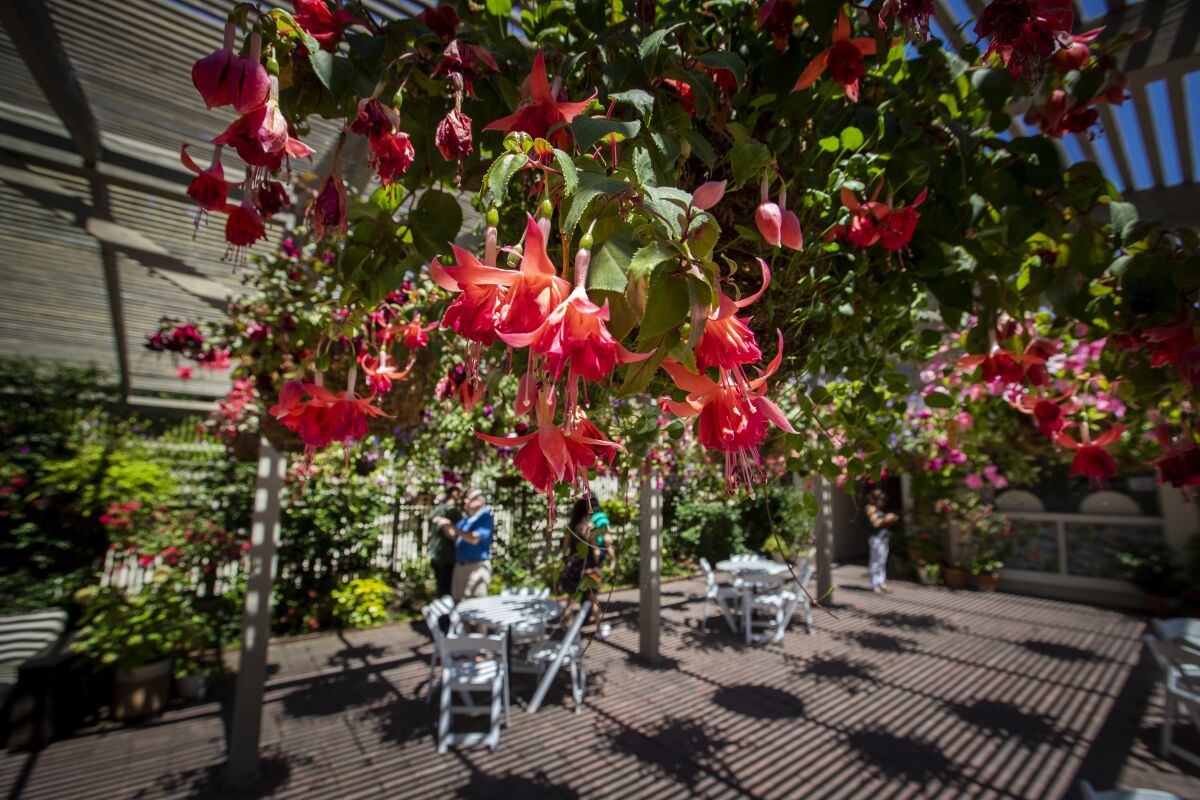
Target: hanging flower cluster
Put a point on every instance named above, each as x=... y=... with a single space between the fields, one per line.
x=185 y=340
x=875 y=222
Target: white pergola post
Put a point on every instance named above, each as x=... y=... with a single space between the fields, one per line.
x=649 y=569
x=242 y=761
x=823 y=533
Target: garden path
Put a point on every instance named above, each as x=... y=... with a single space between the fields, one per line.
x=924 y=693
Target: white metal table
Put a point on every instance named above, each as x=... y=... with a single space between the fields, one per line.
x=751 y=571
x=503 y=611
x=1184 y=629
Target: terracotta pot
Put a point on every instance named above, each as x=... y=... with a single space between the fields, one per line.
x=142 y=691
x=955 y=578
x=987 y=581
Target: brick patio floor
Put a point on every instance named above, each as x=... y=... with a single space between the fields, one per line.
x=924 y=693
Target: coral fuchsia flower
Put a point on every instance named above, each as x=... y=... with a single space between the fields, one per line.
x=535 y=290
x=481 y=290
x=542 y=110
x=727 y=341
x=844 y=59
x=1091 y=459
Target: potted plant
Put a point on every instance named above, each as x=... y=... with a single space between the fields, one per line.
x=137 y=635
x=956 y=576
x=1150 y=569
x=929 y=573
x=985 y=567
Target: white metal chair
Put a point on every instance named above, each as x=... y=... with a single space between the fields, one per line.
x=726 y=597
x=525 y=591
x=1181 y=678
x=466 y=674
x=434 y=613
x=523 y=633
x=1177 y=628
x=550 y=656
x=1089 y=793
x=778 y=601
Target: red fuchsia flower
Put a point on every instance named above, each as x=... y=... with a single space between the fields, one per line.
x=844 y=58
x=1023 y=32
x=271 y=198
x=913 y=15
x=244 y=226
x=1091 y=459
x=687 y=97
x=208 y=189
x=552 y=454
x=328 y=208
x=896 y=229
x=324 y=25
x=542 y=111
x=1050 y=414
x=536 y=290
x=1180 y=468
x=382 y=372
x=391 y=155
x=442 y=20
x=999 y=365
x=261 y=136
x=1075 y=54
x=416 y=335
x=453 y=137
x=768 y=217
x=1037 y=353
x=708 y=195
x=183 y=373
x=460 y=63
x=864 y=228
x=1169 y=343
x=778 y=17
x=210 y=72
x=326 y=417
x=1058 y=115
x=248 y=84
x=481 y=294
x=734 y=417
x=727 y=341
x=373 y=118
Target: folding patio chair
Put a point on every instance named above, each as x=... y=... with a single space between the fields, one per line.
x=471 y=665
x=550 y=656
x=1181 y=678
x=723 y=596
x=434 y=613
x=1089 y=793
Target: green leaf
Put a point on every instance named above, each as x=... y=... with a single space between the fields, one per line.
x=501 y=172
x=830 y=144
x=667 y=305
x=500 y=8
x=994 y=85
x=322 y=65
x=589 y=130
x=609 y=262
x=590 y=187
x=852 y=138
x=643 y=167
x=642 y=101
x=724 y=60
x=939 y=400
x=639 y=374
x=648 y=49
x=1123 y=216
x=649 y=257
x=435 y=222
x=701 y=147
x=570 y=175
x=749 y=158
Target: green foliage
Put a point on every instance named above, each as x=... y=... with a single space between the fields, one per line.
x=362 y=603
x=1150 y=568
x=779 y=518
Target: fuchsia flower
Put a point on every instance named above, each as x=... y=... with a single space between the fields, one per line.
x=453 y=137
x=1023 y=32
x=535 y=290
x=551 y=454
x=727 y=341
x=844 y=58
x=271 y=198
x=373 y=119
x=913 y=15
x=322 y=24
x=542 y=111
x=247 y=83
x=1091 y=459
x=328 y=208
x=391 y=155
x=208 y=189
x=416 y=335
x=442 y=20
x=325 y=417
x=209 y=73
x=708 y=195
x=261 y=136
x=244 y=226
x=482 y=291
x=896 y=229
x=1180 y=467
x=183 y=372
x=768 y=217
x=999 y=365
x=778 y=17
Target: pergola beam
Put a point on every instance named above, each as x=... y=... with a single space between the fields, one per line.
x=1174 y=205
x=1141 y=102
x=1173 y=47
x=1117 y=145
x=1183 y=135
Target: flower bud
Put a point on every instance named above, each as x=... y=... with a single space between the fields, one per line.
x=708 y=195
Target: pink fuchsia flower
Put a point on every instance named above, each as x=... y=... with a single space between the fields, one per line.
x=208 y=189
x=973 y=481
x=727 y=340
x=844 y=58
x=790 y=235
x=324 y=25
x=542 y=110
x=1091 y=459
x=768 y=217
x=328 y=209
x=896 y=229
x=209 y=73
x=1023 y=32
x=248 y=84
x=481 y=290
x=183 y=372
x=261 y=136
x=453 y=136
x=708 y=195
x=992 y=473
x=536 y=289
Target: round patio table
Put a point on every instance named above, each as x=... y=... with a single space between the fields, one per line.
x=504 y=611
x=752 y=571
x=1185 y=629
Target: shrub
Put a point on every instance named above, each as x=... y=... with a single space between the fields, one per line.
x=362 y=603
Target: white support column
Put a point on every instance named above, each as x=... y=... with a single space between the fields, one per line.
x=823 y=533
x=649 y=569
x=242 y=759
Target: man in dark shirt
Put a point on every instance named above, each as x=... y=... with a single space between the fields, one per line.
x=441 y=547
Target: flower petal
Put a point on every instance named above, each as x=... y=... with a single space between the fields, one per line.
x=812 y=71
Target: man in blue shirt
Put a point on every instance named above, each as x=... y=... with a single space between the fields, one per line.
x=472 y=548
